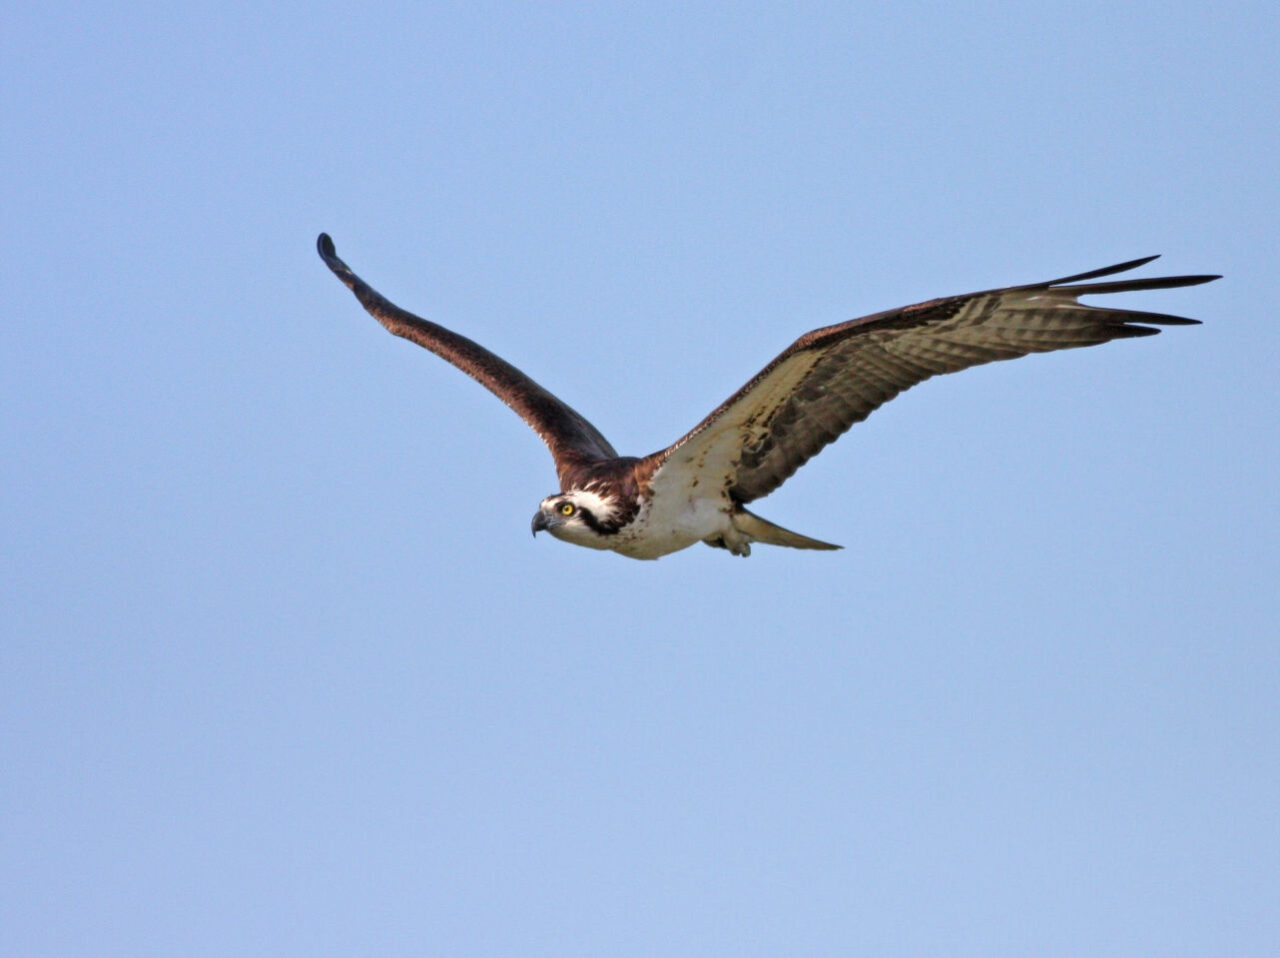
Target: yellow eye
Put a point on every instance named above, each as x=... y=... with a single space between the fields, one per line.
x=566 y=508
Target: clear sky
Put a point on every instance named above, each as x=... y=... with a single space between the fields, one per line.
x=283 y=672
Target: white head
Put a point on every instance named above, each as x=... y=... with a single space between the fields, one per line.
x=578 y=516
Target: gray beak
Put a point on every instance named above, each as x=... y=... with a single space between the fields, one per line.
x=539 y=522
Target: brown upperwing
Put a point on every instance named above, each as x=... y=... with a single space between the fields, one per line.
x=573 y=441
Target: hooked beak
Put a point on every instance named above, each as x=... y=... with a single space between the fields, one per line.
x=539 y=522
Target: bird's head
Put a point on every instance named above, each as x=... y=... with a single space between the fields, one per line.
x=578 y=516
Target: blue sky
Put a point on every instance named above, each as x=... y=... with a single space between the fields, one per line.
x=284 y=672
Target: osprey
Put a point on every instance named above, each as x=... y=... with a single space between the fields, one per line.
x=697 y=489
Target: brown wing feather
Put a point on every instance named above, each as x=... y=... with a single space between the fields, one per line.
x=572 y=440
x=833 y=377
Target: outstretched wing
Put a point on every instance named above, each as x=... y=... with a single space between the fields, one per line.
x=572 y=440
x=833 y=377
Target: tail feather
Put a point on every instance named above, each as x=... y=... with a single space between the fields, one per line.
x=762 y=530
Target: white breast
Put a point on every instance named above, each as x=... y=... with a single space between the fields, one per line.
x=669 y=523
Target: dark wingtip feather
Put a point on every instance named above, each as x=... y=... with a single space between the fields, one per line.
x=1104 y=271
x=1131 y=332
x=1139 y=317
x=324 y=246
x=1137 y=285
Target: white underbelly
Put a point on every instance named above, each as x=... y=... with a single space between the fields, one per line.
x=666 y=529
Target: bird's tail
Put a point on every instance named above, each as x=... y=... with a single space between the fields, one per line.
x=762 y=530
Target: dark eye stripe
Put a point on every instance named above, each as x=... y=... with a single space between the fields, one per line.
x=591 y=522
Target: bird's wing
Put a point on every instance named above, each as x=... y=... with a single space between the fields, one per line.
x=572 y=440
x=832 y=377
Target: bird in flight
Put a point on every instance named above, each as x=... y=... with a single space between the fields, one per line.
x=697 y=489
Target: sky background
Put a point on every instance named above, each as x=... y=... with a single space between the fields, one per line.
x=283 y=672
